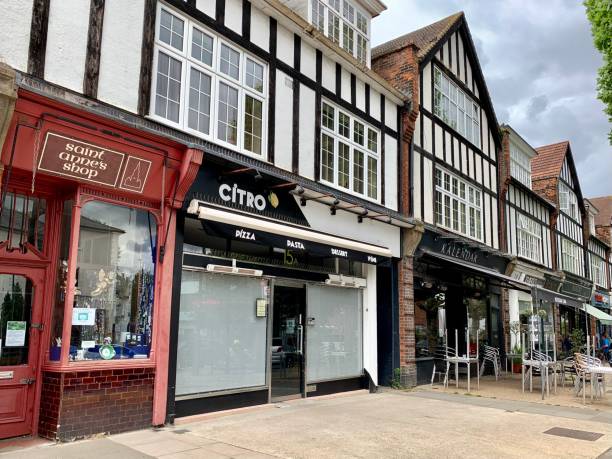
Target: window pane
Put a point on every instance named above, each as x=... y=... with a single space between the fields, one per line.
x=230 y=62
x=228 y=114
x=199 y=101
x=362 y=23
x=347 y=35
x=455 y=215
x=447 y=211
x=362 y=49
x=372 y=178
x=221 y=344
x=439 y=211
x=171 y=30
x=358 y=135
x=344 y=125
x=373 y=140
x=15 y=318
x=344 y=158
x=333 y=27
x=358 y=179
x=348 y=11
x=253 y=124
x=327 y=116
x=327 y=158
x=254 y=75
x=168 y=89
x=202 y=47
x=113 y=303
x=318 y=15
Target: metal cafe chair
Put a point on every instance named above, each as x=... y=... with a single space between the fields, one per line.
x=441 y=365
x=491 y=355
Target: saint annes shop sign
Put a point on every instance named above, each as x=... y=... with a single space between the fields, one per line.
x=69 y=157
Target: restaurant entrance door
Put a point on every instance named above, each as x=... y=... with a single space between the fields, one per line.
x=287 y=350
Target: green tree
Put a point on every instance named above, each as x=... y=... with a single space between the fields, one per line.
x=599 y=13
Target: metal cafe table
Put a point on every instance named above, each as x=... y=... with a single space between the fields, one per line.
x=465 y=359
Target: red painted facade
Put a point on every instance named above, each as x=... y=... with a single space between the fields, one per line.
x=143 y=172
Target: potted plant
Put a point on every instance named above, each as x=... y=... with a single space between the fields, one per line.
x=516 y=364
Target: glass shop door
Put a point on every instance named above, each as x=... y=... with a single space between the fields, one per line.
x=287 y=350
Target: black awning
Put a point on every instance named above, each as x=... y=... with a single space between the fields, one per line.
x=543 y=294
x=507 y=281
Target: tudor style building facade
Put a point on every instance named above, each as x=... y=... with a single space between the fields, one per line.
x=260 y=130
x=453 y=277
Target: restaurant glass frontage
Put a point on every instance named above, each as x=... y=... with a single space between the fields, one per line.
x=267 y=308
x=457 y=291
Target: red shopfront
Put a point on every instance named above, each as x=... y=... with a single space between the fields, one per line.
x=87 y=227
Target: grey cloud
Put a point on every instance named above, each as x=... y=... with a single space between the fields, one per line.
x=537 y=105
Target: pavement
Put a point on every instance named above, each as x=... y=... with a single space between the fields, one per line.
x=388 y=424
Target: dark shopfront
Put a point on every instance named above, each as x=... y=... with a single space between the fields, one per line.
x=457 y=285
x=265 y=307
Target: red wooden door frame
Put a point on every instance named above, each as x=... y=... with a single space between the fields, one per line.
x=15 y=388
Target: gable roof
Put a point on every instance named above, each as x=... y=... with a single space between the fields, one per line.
x=549 y=161
x=604 y=205
x=424 y=38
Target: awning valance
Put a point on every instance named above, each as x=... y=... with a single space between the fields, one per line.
x=605 y=319
x=550 y=296
x=466 y=265
x=292 y=237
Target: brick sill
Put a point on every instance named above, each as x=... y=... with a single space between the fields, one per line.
x=96 y=365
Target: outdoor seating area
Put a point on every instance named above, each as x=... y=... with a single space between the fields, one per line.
x=576 y=380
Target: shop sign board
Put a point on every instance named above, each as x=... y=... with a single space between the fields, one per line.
x=247 y=192
x=457 y=248
x=83 y=161
x=601 y=299
x=577 y=287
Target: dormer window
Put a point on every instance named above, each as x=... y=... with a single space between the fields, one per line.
x=520 y=165
x=344 y=24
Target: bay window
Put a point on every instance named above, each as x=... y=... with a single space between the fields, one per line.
x=207 y=86
x=529 y=238
x=458 y=205
x=343 y=23
x=115 y=281
x=456 y=108
x=349 y=153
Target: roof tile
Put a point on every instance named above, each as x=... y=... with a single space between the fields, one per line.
x=424 y=38
x=549 y=160
x=604 y=206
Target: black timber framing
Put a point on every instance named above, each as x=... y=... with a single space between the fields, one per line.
x=38 y=38
x=94 y=47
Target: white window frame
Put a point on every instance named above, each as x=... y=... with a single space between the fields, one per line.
x=358 y=12
x=214 y=72
x=570 y=255
x=568 y=202
x=520 y=165
x=528 y=238
x=447 y=106
x=466 y=194
x=353 y=145
x=598 y=270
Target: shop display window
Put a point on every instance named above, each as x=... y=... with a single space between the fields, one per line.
x=334 y=333
x=221 y=338
x=57 y=313
x=112 y=315
x=429 y=325
x=22 y=221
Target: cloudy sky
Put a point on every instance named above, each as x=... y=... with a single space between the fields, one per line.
x=540 y=66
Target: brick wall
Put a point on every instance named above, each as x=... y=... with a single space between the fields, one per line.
x=50 y=403
x=80 y=404
x=401 y=69
x=406 y=322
